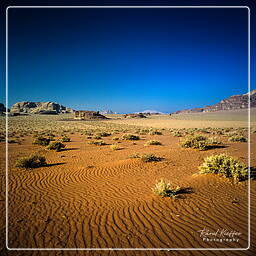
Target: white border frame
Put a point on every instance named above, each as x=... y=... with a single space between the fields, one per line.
x=132 y=249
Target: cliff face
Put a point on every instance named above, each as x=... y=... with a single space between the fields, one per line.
x=234 y=102
x=39 y=108
x=231 y=103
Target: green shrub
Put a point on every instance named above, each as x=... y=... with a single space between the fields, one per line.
x=12 y=141
x=130 y=137
x=238 y=138
x=56 y=145
x=163 y=188
x=199 y=142
x=155 y=132
x=177 y=134
x=32 y=161
x=115 y=147
x=195 y=141
x=65 y=139
x=204 y=130
x=103 y=134
x=153 y=142
x=213 y=141
x=135 y=155
x=150 y=158
x=87 y=133
x=97 y=137
x=41 y=141
x=98 y=143
x=224 y=165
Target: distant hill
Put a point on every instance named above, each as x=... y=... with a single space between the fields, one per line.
x=29 y=107
x=105 y=112
x=150 y=112
x=231 y=103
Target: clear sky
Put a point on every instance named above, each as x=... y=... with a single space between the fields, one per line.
x=127 y=60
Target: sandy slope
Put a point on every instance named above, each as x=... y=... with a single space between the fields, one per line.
x=93 y=197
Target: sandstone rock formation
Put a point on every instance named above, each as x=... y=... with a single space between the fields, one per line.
x=234 y=102
x=231 y=103
x=85 y=115
x=39 y=108
x=192 y=110
x=140 y=115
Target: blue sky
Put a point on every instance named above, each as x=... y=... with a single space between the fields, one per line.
x=127 y=60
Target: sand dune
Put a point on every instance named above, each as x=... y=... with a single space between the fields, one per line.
x=93 y=197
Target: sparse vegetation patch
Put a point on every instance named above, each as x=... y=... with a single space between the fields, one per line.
x=238 y=138
x=65 y=139
x=115 y=147
x=153 y=142
x=32 y=161
x=164 y=188
x=130 y=137
x=224 y=165
x=42 y=141
x=56 y=145
x=98 y=143
x=199 y=142
x=150 y=158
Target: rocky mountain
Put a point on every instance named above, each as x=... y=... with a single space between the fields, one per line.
x=231 y=103
x=30 y=107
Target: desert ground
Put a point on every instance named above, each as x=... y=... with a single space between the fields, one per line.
x=97 y=193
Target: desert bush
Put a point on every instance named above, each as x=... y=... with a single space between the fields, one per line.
x=97 y=137
x=115 y=147
x=218 y=132
x=65 y=139
x=56 y=145
x=115 y=138
x=12 y=141
x=204 y=130
x=87 y=133
x=103 y=134
x=150 y=158
x=143 y=131
x=177 y=134
x=155 y=132
x=32 y=161
x=163 y=188
x=153 y=142
x=224 y=165
x=199 y=142
x=213 y=141
x=238 y=138
x=196 y=141
x=130 y=137
x=98 y=143
x=42 y=141
x=135 y=155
